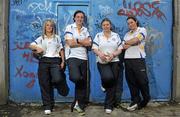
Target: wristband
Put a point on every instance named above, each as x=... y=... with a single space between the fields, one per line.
x=123 y=42
x=77 y=40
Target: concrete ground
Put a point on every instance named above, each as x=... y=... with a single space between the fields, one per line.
x=154 y=109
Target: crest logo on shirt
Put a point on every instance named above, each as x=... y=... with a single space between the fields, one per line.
x=113 y=39
x=83 y=33
x=58 y=46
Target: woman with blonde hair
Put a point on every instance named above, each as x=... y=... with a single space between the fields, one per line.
x=51 y=65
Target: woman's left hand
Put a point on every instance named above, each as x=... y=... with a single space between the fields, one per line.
x=62 y=65
x=110 y=57
x=86 y=42
x=125 y=46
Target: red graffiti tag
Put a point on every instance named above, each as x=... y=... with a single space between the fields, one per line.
x=147 y=9
x=21 y=73
x=30 y=84
x=21 y=45
x=28 y=56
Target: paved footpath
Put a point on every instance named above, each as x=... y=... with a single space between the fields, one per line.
x=154 y=109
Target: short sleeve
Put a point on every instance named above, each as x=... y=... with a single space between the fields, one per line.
x=119 y=43
x=87 y=33
x=68 y=33
x=38 y=41
x=125 y=37
x=96 y=42
x=60 y=41
x=142 y=34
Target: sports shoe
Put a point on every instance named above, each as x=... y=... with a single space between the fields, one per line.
x=117 y=105
x=103 y=89
x=47 y=112
x=108 y=111
x=79 y=110
x=132 y=107
x=142 y=104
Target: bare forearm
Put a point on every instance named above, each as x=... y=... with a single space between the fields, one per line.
x=84 y=42
x=132 y=41
x=32 y=47
x=97 y=52
x=72 y=43
x=117 y=52
x=62 y=55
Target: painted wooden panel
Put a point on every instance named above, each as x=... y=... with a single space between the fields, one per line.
x=25 y=24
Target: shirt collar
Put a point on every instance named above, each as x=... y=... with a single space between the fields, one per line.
x=52 y=36
x=110 y=35
x=131 y=31
x=75 y=26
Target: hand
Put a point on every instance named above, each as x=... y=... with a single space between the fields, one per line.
x=86 y=42
x=102 y=56
x=71 y=42
x=109 y=57
x=39 y=50
x=62 y=65
x=125 y=46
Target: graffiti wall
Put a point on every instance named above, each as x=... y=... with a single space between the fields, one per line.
x=25 y=25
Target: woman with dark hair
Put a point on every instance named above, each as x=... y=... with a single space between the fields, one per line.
x=77 y=40
x=135 y=66
x=51 y=65
x=107 y=46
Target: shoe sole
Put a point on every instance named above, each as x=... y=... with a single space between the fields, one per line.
x=133 y=108
x=82 y=113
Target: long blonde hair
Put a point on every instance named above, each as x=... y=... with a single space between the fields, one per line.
x=44 y=27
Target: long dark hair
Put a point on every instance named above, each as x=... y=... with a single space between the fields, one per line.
x=78 y=11
x=133 y=18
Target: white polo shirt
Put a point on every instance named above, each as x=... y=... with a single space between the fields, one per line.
x=51 y=46
x=71 y=32
x=107 y=46
x=136 y=51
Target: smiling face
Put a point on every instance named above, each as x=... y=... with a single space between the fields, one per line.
x=79 y=18
x=106 y=26
x=48 y=27
x=132 y=24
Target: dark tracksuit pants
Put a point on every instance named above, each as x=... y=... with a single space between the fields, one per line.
x=136 y=76
x=119 y=87
x=109 y=76
x=78 y=75
x=50 y=75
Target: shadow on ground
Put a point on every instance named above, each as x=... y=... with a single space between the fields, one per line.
x=154 y=109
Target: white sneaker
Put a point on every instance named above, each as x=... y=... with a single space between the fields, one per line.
x=103 y=89
x=132 y=107
x=108 y=111
x=47 y=112
x=78 y=109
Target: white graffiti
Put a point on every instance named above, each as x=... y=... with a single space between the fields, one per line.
x=91 y=23
x=19 y=11
x=67 y=19
x=37 y=24
x=154 y=40
x=105 y=10
x=41 y=7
